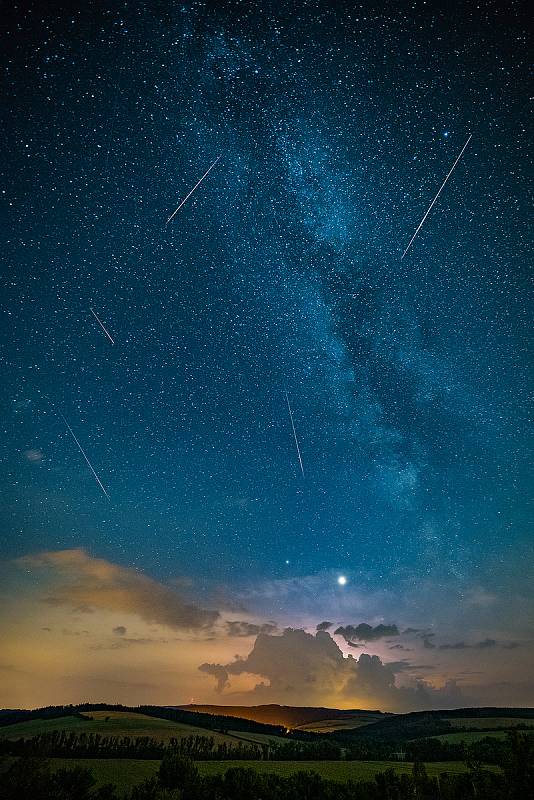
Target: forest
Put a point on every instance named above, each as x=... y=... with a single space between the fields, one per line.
x=178 y=778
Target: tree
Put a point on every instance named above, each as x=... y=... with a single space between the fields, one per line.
x=75 y=783
x=519 y=769
x=27 y=778
x=178 y=772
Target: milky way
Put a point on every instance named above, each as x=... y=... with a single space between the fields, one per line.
x=408 y=380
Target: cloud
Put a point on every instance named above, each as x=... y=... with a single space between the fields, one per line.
x=122 y=643
x=407 y=666
x=70 y=632
x=324 y=626
x=365 y=632
x=428 y=645
x=240 y=628
x=419 y=633
x=301 y=668
x=483 y=645
x=220 y=674
x=478 y=596
x=80 y=581
x=120 y=630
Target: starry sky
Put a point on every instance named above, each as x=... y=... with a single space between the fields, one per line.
x=280 y=278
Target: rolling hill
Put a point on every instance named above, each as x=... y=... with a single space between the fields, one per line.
x=424 y=724
x=294 y=717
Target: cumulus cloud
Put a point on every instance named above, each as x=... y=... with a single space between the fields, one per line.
x=300 y=667
x=76 y=579
x=365 y=632
x=120 y=630
x=220 y=674
x=324 y=626
x=240 y=628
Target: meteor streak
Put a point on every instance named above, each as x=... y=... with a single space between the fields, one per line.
x=295 y=435
x=95 y=315
x=436 y=197
x=82 y=451
x=197 y=184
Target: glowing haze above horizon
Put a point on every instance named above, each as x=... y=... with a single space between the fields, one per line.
x=252 y=455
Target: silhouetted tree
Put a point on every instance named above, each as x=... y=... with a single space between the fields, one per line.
x=179 y=772
x=519 y=767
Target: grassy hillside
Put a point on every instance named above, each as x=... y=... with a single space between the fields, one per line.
x=359 y=720
x=117 y=724
x=490 y=722
x=126 y=773
x=25 y=730
x=424 y=724
x=297 y=717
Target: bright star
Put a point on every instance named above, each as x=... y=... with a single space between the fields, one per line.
x=342 y=580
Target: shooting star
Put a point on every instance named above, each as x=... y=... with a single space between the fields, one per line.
x=436 y=197
x=197 y=184
x=295 y=434
x=95 y=315
x=82 y=451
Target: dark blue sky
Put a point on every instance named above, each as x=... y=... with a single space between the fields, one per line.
x=409 y=380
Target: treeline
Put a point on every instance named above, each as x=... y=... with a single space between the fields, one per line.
x=12 y=716
x=404 y=727
x=64 y=744
x=212 y=721
x=198 y=719
x=428 y=723
x=178 y=778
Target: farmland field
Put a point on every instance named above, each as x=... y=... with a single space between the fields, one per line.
x=494 y=723
x=329 y=725
x=117 y=724
x=126 y=773
x=471 y=736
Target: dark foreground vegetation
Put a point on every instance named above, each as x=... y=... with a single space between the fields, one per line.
x=255 y=761
x=65 y=744
x=178 y=778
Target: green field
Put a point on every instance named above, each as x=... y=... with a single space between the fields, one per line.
x=492 y=723
x=117 y=724
x=25 y=730
x=126 y=773
x=471 y=736
x=332 y=770
x=329 y=725
x=246 y=737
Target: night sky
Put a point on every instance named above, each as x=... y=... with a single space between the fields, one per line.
x=409 y=380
